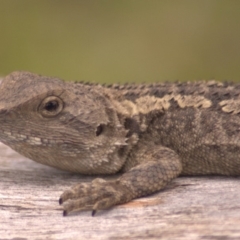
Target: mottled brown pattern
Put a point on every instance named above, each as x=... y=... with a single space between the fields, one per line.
x=149 y=133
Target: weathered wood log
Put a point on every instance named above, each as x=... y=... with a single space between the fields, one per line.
x=189 y=208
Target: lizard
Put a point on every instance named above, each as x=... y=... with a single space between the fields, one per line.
x=148 y=133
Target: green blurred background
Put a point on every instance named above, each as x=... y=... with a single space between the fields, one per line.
x=122 y=40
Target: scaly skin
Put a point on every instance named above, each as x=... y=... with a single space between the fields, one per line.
x=149 y=133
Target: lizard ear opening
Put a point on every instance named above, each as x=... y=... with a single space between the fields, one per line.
x=100 y=129
x=51 y=106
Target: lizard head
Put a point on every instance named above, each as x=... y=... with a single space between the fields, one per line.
x=65 y=125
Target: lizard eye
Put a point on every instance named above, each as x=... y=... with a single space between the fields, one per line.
x=51 y=106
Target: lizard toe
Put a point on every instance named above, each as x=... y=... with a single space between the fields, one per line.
x=100 y=195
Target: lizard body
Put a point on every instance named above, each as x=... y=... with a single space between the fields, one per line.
x=150 y=133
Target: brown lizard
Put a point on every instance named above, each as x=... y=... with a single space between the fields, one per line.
x=150 y=133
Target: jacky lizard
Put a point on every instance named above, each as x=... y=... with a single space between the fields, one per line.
x=150 y=133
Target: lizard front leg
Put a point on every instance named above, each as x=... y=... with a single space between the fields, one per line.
x=159 y=166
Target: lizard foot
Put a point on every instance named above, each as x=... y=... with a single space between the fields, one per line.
x=96 y=195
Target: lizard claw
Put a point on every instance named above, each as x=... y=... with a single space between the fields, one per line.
x=96 y=195
x=93 y=212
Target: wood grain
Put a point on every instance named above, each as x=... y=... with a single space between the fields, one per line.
x=190 y=208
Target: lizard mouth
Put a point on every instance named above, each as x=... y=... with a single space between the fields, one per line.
x=11 y=137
